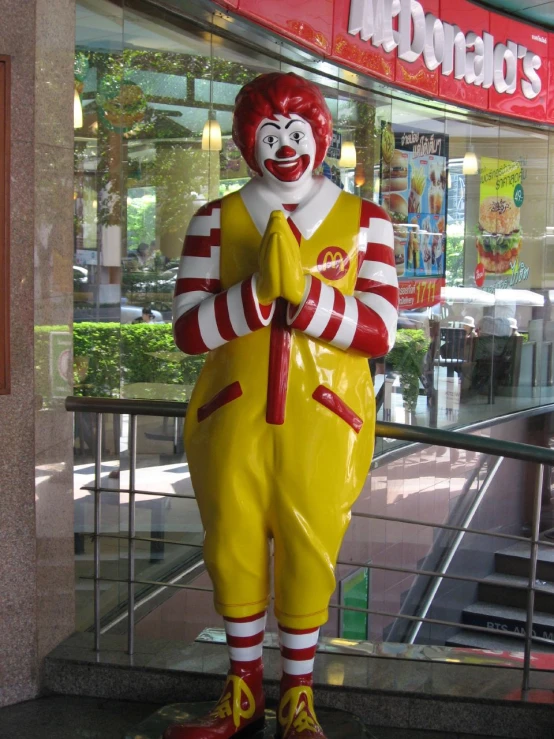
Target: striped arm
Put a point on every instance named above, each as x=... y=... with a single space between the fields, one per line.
x=366 y=321
x=204 y=316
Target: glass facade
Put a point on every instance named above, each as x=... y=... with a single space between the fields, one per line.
x=475 y=336
x=470 y=198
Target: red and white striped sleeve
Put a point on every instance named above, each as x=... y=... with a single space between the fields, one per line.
x=204 y=316
x=366 y=321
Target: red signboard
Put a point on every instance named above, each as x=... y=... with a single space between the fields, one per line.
x=420 y=293
x=451 y=50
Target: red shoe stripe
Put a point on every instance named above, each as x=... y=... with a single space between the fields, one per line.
x=298 y=655
x=245 y=641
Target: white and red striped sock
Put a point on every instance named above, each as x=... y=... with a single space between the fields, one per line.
x=245 y=637
x=298 y=648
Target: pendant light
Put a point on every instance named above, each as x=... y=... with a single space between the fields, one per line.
x=348 y=155
x=77 y=110
x=470 y=164
x=211 y=134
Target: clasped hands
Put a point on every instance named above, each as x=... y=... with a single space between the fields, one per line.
x=280 y=274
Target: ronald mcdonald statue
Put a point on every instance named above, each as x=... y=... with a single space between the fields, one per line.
x=289 y=285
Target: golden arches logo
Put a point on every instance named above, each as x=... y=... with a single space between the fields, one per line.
x=333 y=263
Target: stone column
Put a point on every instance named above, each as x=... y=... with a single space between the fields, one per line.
x=36 y=498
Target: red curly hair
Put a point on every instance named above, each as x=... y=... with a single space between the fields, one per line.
x=279 y=93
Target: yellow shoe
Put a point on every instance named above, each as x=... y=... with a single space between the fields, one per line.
x=296 y=716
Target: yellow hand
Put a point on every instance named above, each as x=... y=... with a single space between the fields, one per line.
x=281 y=273
x=292 y=275
x=268 y=284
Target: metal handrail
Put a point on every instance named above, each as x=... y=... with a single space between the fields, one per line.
x=413 y=434
x=384 y=429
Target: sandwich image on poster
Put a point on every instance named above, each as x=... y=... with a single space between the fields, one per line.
x=499 y=233
x=395 y=172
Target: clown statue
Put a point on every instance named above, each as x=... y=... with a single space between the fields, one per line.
x=290 y=286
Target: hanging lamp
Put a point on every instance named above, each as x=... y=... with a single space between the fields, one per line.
x=211 y=133
x=77 y=110
x=348 y=155
x=470 y=164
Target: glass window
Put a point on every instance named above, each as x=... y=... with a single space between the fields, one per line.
x=468 y=197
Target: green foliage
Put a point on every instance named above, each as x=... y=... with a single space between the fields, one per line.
x=406 y=358
x=149 y=354
x=96 y=359
x=455 y=258
x=108 y=354
x=141 y=222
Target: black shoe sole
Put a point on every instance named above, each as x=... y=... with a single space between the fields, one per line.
x=251 y=728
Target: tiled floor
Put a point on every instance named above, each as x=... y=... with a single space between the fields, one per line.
x=60 y=717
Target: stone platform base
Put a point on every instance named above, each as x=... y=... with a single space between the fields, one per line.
x=336 y=724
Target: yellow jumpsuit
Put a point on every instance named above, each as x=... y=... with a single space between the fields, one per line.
x=294 y=482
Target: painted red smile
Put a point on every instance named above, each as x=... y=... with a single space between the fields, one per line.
x=288 y=171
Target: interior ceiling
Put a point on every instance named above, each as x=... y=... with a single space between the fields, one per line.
x=533 y=11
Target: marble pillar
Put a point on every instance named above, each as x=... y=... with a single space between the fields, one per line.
x=36 y=499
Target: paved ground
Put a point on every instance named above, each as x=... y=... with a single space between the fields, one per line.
x=60 y=717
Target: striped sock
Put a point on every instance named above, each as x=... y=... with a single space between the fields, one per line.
x=298 y=648
x=245 y=637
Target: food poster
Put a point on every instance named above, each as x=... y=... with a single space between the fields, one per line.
x=414 y=193
x=499 y=235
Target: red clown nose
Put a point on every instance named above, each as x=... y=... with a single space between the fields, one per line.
x=285 y=152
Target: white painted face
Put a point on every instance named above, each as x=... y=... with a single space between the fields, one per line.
x=285 y=149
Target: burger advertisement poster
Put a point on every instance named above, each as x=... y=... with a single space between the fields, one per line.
x=498 y=238
x=414 y=193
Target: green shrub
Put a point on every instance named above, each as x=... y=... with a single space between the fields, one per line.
x=96 y=359
x=108 y=354
x=406 y=358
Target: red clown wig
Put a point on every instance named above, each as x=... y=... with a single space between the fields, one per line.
x=285 y=94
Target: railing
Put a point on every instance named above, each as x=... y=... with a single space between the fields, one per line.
x=524 y=452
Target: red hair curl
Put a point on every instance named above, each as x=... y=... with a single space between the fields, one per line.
x=284 y=94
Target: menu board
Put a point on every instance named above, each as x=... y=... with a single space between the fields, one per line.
x=414 y=193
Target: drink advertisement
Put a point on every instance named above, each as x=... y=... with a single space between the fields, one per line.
x=499 y=232
x=414 y=193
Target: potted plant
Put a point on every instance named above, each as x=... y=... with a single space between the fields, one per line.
x=406 y=359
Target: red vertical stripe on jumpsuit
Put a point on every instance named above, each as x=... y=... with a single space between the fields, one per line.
x=279 y=358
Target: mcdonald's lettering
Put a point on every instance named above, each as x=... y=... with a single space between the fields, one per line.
x=333 y=263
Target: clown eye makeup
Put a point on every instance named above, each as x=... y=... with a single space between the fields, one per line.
x=297 y=136
x=270 y=140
